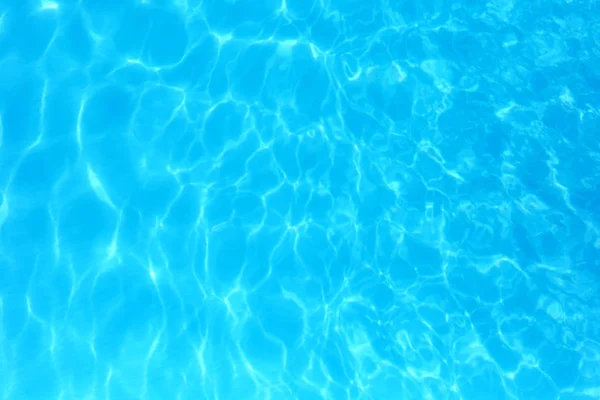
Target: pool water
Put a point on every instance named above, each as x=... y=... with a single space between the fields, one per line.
x=300 y=199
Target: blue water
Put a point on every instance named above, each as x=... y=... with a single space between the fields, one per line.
x=299 y=199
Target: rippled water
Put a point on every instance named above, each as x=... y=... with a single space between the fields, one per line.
x=300 y=199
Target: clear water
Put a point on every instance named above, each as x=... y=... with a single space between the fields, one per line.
x=300 y=199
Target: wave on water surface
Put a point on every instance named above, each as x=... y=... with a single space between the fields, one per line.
x=299 y=199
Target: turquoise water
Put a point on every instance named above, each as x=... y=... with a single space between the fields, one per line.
x=298 y=199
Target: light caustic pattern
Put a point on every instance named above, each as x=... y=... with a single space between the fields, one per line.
x=299 y=199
